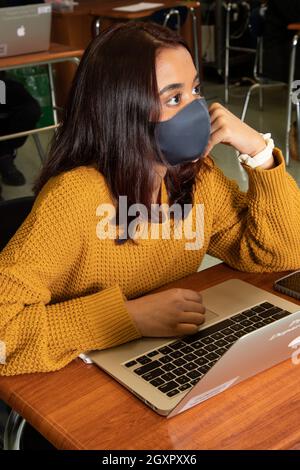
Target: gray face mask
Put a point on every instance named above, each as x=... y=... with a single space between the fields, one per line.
x=184 y=137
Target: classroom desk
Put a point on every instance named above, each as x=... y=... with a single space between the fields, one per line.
x=81 y=407
x=57 y=53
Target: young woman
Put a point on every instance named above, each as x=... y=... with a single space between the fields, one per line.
x=136 y=127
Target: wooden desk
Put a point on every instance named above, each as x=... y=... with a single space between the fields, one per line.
x=57 y=53
x=294 y=27
x=106 y=9
x=80 y=407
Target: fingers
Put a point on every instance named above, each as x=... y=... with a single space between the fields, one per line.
x=189 y=294
x=184 y=329
x=190 y=306
x=191 y=318
x=219 y=117
x=189 y=301
x=216 y=110
x=216 y=137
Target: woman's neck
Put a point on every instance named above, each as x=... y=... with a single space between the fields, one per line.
x=160 y=171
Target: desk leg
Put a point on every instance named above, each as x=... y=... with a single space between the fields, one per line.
x=298 y=128
x=39 y=147
x=195 y=38
x=52 y=92
x=13 y=431
x=76 y=61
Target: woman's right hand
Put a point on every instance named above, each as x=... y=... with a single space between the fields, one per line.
x=174 y=312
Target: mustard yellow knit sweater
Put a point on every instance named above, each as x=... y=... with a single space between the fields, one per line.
x=62 y=288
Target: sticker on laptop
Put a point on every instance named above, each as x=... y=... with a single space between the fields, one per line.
x=211 y=393
x=44 y=9
x=3 y=50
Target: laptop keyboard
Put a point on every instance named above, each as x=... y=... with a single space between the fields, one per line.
x=179 y=365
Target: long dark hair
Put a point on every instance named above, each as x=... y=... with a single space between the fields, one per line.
x=109 y=120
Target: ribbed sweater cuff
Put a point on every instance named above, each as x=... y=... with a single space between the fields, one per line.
x=109 y=320
x=268 y=184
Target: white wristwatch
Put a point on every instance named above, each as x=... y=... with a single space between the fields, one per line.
x=262 y=156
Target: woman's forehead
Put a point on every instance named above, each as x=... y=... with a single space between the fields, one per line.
x=174 y=65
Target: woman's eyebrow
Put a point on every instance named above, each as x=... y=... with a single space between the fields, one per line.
x=172 y=86
x=176 y=86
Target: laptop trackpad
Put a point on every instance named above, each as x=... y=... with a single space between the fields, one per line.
x=210 y=317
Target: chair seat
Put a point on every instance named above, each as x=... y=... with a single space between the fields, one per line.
x=268 y=81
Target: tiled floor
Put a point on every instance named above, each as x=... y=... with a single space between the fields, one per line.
x=272 y=119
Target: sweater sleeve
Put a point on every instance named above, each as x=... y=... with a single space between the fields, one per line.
x=42 y=334
x=257 y=231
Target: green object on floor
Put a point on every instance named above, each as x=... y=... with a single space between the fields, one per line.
x=36 y=81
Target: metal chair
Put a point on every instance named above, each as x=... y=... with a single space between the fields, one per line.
x=13 y=431
x=230 y=8
x=261 y=81
x=295 y=40
x=171 y=17
x=36 y=140
x=49 y=62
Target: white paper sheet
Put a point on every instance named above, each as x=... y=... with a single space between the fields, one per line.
x=139 y=7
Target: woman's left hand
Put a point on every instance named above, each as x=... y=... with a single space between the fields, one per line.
x=228 y=129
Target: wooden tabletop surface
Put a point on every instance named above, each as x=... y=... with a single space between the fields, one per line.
x=105 y=8
x=294 y=27
x=55 y=52
x=81 y=407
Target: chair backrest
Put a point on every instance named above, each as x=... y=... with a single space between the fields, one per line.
x=257 y=22
x=12 y=215
x=171 y=15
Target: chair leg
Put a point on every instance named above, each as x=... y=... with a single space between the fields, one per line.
x=227 y=49
x=245 y=108
x=13 y=431
x=298 y=128
x=96 y=26
x=52 y=93
x=261 y=98
x=195 y=39
x=39 y=147
x=289 y=102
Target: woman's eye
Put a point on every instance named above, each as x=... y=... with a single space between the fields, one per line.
x=175 y=100
x=197 y=90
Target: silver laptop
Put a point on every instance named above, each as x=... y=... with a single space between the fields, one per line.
x=24 y=29
x=247 y=330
